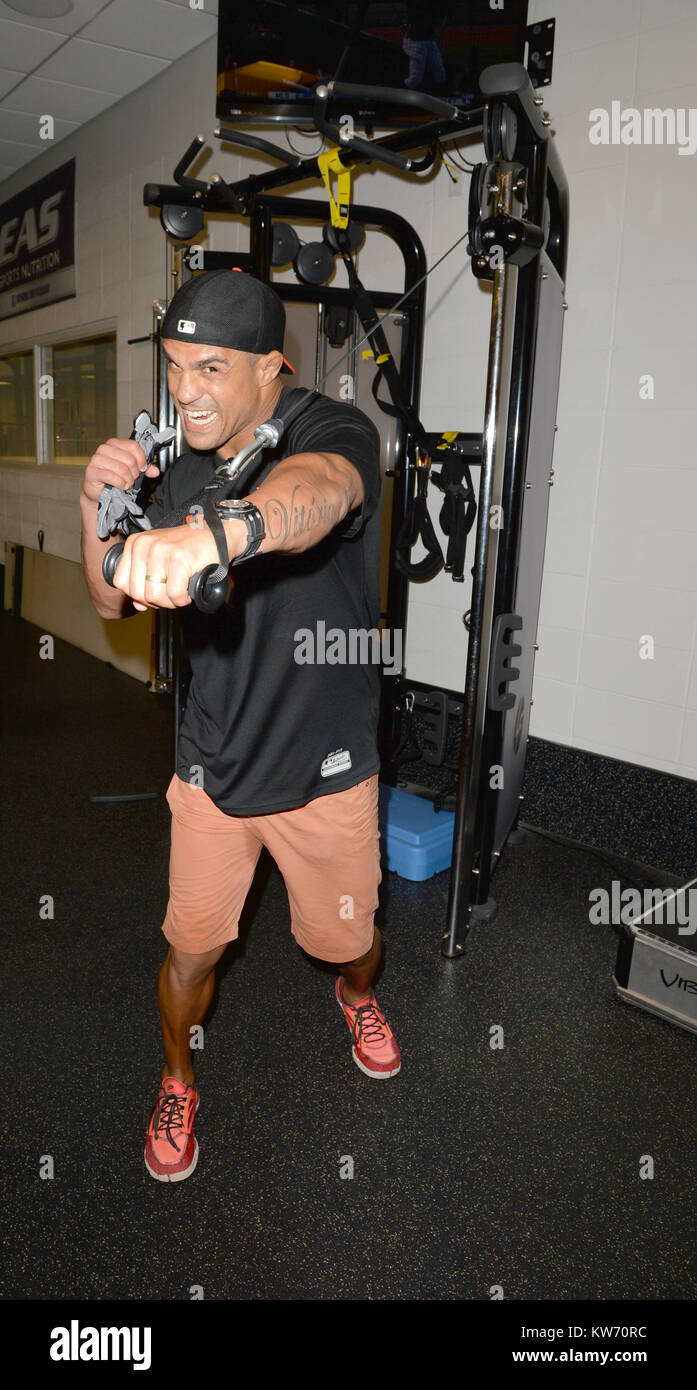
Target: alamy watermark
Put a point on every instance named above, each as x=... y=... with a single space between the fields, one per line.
x=665 y=907
x=652 y=125
x=354 y=646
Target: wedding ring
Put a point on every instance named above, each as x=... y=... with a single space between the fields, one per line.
x=150 y=579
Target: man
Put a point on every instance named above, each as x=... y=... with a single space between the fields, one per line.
x=272 y=751
x=420 y=44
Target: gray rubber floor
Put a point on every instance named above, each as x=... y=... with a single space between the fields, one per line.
x=474 y=1167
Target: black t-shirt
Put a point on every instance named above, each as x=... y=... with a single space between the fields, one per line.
x=269 y=731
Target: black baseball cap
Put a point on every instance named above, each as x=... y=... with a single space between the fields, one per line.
x=228 y=308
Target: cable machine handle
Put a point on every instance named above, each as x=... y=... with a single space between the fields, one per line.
x=235 y=137
x=371 y=148
x=209 y=595
x=206 y=596
x=355 y=142
x=399 y=96
x=193 y=185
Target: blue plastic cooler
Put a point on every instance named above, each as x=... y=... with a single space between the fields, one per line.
x=417 y=841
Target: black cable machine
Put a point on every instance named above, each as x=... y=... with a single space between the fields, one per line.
x=517 y=239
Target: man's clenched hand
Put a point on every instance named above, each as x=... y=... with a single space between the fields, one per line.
x=172 y=554
x=118 y=462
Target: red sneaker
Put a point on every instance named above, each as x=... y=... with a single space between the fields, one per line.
x=171 y=1150
x=375 y=1049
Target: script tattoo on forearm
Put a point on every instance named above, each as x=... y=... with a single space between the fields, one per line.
x=292 y=519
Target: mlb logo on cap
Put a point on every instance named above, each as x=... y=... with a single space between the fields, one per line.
x=186 y=326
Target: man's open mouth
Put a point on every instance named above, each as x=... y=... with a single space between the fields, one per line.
x=199 y=419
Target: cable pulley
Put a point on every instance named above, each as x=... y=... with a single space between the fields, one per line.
x=286 y=244
x=314 y=263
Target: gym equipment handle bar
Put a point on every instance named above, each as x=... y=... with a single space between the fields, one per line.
x=398 y=95
x=206 y=596
x=370 y=148
x=208 y=593
x=236 y=137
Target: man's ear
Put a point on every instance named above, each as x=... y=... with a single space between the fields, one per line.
x=269 y=365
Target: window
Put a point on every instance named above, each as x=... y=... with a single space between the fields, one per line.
x=58 y=400
x=84 y=403
x=17 y=412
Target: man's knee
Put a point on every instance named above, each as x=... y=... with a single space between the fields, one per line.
x=188 y=970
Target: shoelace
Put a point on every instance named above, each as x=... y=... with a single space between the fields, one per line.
x=367 y=1023
x=170 y=1116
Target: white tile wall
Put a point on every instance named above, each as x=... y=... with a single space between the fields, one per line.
x=615 y=664
x=583 y=78
x=48 y=500
x=559 y=654
x=552 y=712
x=655 y=13
x=637 y=729
x=621 y=555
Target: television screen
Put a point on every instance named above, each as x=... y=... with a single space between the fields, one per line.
x=272 y=55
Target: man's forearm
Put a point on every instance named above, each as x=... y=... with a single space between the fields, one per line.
x=301 y=502
x=109 y=603
x=304 y=498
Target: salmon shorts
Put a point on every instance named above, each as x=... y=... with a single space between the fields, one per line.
x=328 y=852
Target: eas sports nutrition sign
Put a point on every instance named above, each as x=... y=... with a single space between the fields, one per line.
x=37 y=244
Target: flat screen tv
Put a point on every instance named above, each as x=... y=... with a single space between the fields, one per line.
x=272 y=54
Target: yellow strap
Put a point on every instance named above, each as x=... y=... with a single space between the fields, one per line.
x=384 y=357
x=366 y=353
x=330 y=163
x=447 y=437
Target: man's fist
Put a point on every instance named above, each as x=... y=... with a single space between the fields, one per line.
x=156 y=565
x=120 y=463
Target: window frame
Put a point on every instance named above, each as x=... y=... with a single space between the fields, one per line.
x=8 y=351
x=41 y=345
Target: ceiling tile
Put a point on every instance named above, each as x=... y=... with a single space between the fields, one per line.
x=23 y=46
x=20 y=126
x=8 y=80
x=210 y=6
x=104 y=69
x=152 y=26
x=15 y=154
x=74 y=67
x=59 y=99
x=83 y=11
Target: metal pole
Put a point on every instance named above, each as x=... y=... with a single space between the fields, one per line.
x=166 y=661
x=494 y=441
x=43 y=403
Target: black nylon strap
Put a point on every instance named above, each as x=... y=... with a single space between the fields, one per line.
x=197 y=503
x=401 y=407
x=211 y=516
x=457 y=512
x=222 y=487
x=417 y=525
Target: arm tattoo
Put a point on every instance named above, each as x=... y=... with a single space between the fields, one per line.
x=284 y=520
